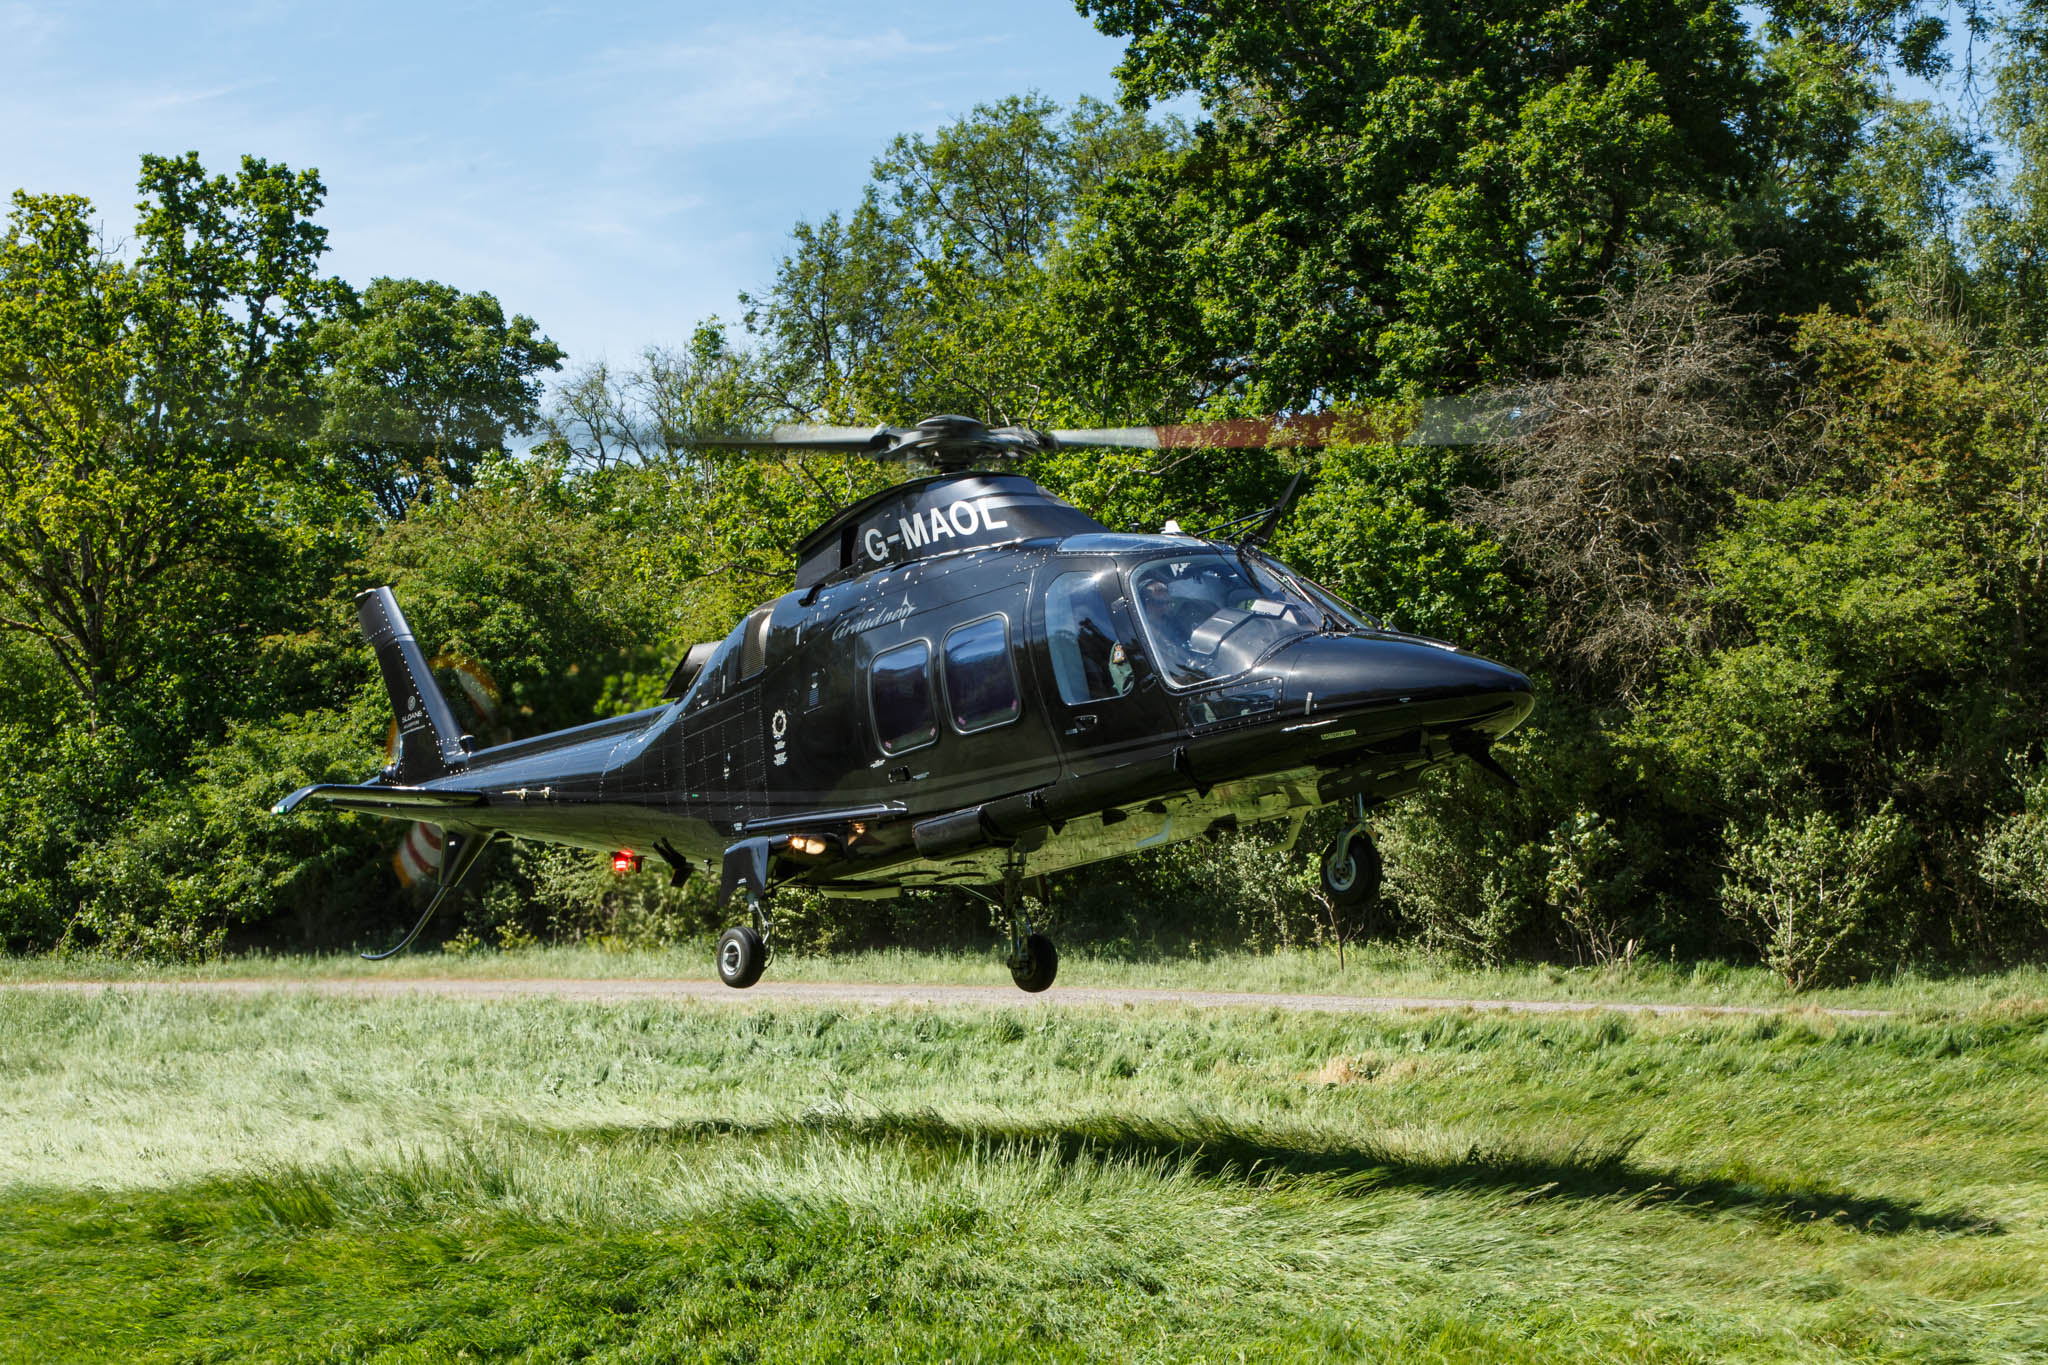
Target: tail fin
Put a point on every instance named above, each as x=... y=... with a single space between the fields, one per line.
x=430 y=743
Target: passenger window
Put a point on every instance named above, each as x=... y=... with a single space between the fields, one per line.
x=1088 y=661
x=902 y=691
x=981 y=685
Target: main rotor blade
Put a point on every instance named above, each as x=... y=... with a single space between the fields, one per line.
x=876 y=440
x=1234 y=433
x=1475 y=419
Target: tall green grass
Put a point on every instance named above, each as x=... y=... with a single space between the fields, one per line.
x=291 y=1177
x=1368 y=969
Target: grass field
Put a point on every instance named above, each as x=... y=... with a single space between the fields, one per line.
x=1377 y=969
x=298 y=1178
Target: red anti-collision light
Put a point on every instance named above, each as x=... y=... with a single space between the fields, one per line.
x=625 y=860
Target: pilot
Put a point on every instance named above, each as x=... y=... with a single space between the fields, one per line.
x=1167 y=618
x=1157 y=599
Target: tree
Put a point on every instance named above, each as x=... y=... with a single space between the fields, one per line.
x=1406 y=194
x=1660 y=416
x=931 y=296
x=834 y=302
x=649 y=415
x=419 y=378
x=145 y=409
x=2009 y=230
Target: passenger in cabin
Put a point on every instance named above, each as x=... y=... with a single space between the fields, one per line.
x=1102 y=660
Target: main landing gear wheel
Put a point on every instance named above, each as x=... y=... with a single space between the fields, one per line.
x=742 y=957
x=1351 y=870
x=1034 y=962
x=1039 y=964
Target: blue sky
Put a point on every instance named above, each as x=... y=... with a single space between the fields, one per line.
x=615 y=173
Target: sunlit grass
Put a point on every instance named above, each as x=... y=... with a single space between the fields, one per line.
x=1375 y=969
x=295 y=1177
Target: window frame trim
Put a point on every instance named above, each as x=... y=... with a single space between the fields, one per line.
x=1009 y=661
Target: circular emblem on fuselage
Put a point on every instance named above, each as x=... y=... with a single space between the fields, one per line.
x=779 y=724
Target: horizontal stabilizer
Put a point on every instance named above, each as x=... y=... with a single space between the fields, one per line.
x=400 y=803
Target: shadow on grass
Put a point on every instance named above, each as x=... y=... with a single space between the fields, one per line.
x=1220 y=1151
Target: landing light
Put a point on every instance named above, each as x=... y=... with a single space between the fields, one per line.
x=624 y=861
x=806 y=843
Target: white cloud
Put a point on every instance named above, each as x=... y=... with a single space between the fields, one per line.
x=740 y=83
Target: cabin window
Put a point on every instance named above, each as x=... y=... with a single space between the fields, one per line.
x=981 y=684
x=1088 y=661
x=901 y=684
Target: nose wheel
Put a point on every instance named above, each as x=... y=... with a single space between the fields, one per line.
x=1351 y=871
x=743 y=950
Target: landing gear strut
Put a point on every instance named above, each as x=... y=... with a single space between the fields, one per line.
x=743 y=949
x=1034 y=962
x=1351 y=866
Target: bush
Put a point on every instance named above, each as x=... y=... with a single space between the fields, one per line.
x=1584 y=859
x=1815 y=897
x=2013 y=861
x=1241 y=889
x=201 y=858
x=537 y=892
x=62 y=791
x=1593 y=887
x=1463 y=884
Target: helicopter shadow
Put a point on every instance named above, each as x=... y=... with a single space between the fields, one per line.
x=1217 y=1150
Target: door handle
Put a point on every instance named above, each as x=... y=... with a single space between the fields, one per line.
x=1084 y=721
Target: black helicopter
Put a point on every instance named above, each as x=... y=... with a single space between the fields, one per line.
x=970 y=679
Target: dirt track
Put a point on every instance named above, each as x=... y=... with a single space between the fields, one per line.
x=832 y=993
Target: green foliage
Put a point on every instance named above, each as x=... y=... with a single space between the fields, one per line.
x=61 y=793
x=1748 y=723
x=2008 y=226
x=544 y=893
x=147 y=409
x=517 y=576
x=1583 y=860
x=1379 y=526
x=930 y=297
x=421 y=381
x=2013 y=859
x=199 y=859
x=1394 y=195
x=1593 y=887
x=1244 y=889
x=1772 y=529
x=1815 y=897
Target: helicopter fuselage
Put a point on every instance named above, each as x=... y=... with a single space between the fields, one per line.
x=918 y=724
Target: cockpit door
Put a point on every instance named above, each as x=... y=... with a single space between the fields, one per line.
x=1105 y=703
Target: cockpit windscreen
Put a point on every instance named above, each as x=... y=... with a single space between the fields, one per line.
x=1208 y=618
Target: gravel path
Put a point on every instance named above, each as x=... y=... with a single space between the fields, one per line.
x=834 y=993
